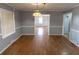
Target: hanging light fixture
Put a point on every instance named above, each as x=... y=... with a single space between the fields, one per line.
x=37 y=11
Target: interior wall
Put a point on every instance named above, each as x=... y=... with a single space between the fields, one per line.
x=74 y=32
x=56 y=21
x=8 y=40
x=27 y=23
x=0 y=29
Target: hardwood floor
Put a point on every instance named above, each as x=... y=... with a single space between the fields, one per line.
x=42 y=45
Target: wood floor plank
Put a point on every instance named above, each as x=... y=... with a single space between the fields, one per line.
x=54 y=45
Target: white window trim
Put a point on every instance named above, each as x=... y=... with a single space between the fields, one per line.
x=5 y=36
x=40 y=20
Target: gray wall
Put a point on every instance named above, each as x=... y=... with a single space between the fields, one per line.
x=0 y=27
x=5 y=42
x=27 y=19
x=74 y=34
x=56 y=21
x=0 y=30
x=75 y=22
x=18 y=20
x=27 y=23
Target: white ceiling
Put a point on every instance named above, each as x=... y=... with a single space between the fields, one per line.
x=47 y=7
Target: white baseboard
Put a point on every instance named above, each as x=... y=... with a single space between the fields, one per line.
x=66 y=36
x=10 y=44
x=48 y=34
x=71 y=41
x=74 y=43
x=28 y=34
x=55 y=34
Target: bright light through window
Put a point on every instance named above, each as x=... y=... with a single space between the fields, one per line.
x=40 y=20
x=40 y=31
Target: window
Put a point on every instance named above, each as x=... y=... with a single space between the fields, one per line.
x=40 y=20
x=7 y=22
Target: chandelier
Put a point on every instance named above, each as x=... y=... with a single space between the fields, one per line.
x=37 y=11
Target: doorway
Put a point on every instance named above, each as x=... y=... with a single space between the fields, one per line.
x=41 y=26
x=67 y=18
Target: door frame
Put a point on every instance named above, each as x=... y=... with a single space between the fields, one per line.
x=48 y=24
x=63 y=23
